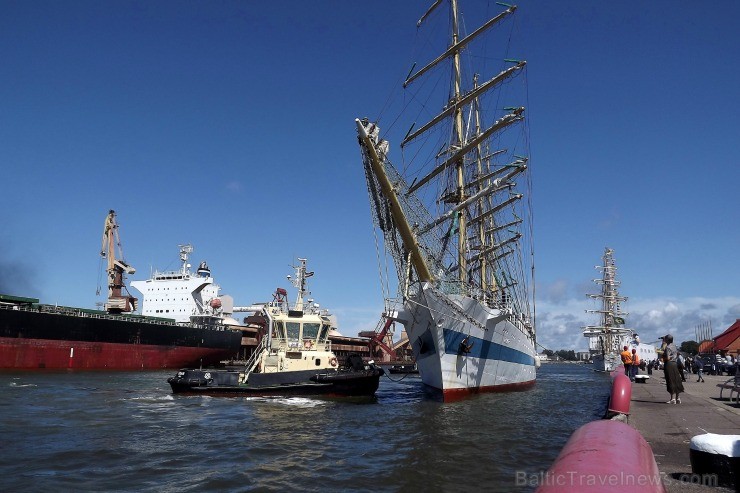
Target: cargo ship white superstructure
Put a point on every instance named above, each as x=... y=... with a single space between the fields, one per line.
x=185 y=296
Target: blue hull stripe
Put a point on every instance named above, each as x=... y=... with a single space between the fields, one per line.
x=484 y=349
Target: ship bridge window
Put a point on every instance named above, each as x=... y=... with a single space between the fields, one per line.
x=310 y=331
x=278 y=330
x=293 y=329
x=324 y=333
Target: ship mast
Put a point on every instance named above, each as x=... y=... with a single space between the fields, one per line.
x=301 y=274
x=463 y=247
x=611 y=314
x=117 y=301
x=460 y=165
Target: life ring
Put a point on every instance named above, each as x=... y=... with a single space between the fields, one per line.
x=307 y=344
x=333 y=362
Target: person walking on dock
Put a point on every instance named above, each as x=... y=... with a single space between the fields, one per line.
x=681 y=363
x=699 y=369
x=670 y=368
x=627 y=362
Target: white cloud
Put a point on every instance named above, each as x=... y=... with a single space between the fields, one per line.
x=559 y=326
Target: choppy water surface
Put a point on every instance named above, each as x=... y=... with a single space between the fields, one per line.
x=96 y=431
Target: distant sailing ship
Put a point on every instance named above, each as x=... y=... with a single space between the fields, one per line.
x=607 y=339
x=455 y=215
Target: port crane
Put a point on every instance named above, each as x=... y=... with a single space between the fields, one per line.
x=378 y=342
x=117 y=302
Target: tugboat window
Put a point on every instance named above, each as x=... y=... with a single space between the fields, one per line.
x=310 y=331
x=294 y=330
x=278 y=330
x=318 y=361
x=324 y=333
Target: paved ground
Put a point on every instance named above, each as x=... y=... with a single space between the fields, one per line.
x=668 y=428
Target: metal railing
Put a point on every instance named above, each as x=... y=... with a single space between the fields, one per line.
x=252 y=361
x=77 y=312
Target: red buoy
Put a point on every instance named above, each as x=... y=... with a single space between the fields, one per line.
x=603 y=456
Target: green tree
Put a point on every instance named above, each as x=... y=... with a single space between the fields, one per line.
x=691 y=347
x=567 y=354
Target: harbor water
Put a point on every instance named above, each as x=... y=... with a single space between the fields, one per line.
x=114 y=431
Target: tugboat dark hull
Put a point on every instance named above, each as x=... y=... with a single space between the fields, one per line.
x=340 y=383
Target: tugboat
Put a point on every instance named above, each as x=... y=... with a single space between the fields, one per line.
x=293 y=357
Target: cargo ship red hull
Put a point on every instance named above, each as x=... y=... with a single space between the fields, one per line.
x=30 y=354
x=34 y=336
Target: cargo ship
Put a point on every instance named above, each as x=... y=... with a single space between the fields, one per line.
x=42 y=336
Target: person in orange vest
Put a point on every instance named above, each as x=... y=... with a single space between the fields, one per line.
x=635 y=364
x=627 y=361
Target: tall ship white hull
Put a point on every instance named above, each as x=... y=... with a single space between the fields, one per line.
x=606 y=362
x=496 y=355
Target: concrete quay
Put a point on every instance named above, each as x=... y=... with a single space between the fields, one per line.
x=668 y=428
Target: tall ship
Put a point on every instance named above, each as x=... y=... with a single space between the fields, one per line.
x=454 y=212
x=37 y=336
x=607 y=339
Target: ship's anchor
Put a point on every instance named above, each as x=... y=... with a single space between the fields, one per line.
x=464 y=346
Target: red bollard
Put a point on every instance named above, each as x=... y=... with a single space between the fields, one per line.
x=619 y=401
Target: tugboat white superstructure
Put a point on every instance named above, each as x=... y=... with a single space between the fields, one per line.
x=293 y=357
x=454 y=216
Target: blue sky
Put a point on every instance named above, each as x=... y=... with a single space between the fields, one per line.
x=230 y=125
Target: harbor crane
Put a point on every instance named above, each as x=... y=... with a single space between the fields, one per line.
x=117 y=302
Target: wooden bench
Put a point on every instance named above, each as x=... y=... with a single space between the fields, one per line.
x=733 y=385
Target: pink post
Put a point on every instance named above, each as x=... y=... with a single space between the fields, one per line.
x=604 y=456
x=619 y=401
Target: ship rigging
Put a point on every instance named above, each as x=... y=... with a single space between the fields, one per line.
x=455 y=216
